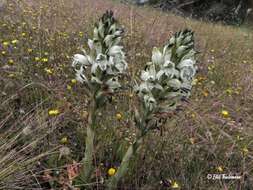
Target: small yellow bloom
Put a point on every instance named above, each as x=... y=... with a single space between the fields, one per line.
x=119 y=116
x=194 y=82
x=53 y=112
x=212 y=50
x=220 y=169
x=245 y=150
x=11 y=62
x=14 y=41
x=175 y=185
x=49 y=71
x=193 y=115
x=69 y=87
x=6 y=43
x=111 y=171
x=44 y=60
x=29 y=50
x=192 y=140
x=36 y=58
x=3 y=52
x=224 y=113
x=229 y=91
x=205 y=93
x=81 y=34
x=239 y=138
x=73 y=81
x=64 y=140
x=23 y=34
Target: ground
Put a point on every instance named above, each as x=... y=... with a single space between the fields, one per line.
x=43 y=112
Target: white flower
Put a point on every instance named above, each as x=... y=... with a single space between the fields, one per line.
x=90 y=43
x=185 y=63
x=187 y=73
x=149 y=74
x=157 y=57
x=80 y=75
x=174 y=83
x=78 y=58
x=113 y=84
x=108 y=40
x=115 y=50
x=149 y=102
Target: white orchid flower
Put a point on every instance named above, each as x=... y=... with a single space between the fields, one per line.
x=187 y=73
x=114 y=50
x=157 y=57
x=80 y=75
x=81 y=59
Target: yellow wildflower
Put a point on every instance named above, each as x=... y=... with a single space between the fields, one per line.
x=239 y=138
x=48 y=71
x=69 y=87
x=14 y=41
x=245 y=150
x=194 y=82
x=6 y=43
x=119 y=116
x=81 y=34
x=11 y=62
x=23 y=34
x=175 y=185
x=73 y=81
x=220 y=169
x=44 y=60
x=36 y=58
x=192 y=140
x=53 y=112
x=64 y=140
x=224 y=113
x=3 y=52
x=111 y=171
x=193 y=115
x=29 y=50
x=205 y=93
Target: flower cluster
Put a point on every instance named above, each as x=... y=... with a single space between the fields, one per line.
x=100 y=70
x=168 y=78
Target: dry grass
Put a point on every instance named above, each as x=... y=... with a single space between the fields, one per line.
x=195 y=142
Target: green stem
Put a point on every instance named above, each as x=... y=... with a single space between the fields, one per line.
x=131 y=152
x=89 y=145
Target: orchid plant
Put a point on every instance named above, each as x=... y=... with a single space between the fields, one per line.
x=99 y=72
x=165 y=82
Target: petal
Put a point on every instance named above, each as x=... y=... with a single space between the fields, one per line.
x=186 y=63
x=157 y=57
x=78 y=58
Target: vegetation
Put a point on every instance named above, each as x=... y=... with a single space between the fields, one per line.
x=45 y=111
x=234 y=12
